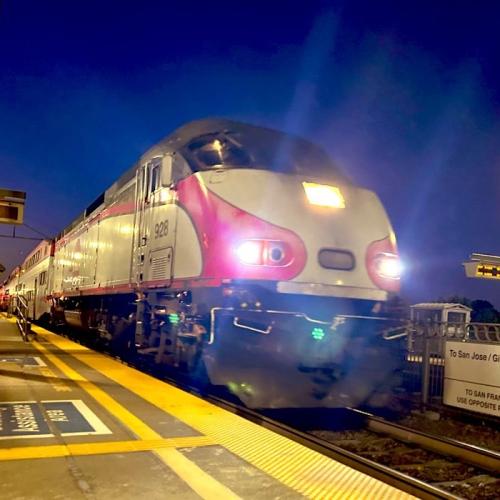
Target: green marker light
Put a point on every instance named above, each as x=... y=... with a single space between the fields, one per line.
x=318 y=333
x=173 y=318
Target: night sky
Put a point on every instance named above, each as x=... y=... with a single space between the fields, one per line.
x=404 y=95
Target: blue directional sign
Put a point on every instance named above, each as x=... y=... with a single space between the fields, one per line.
x=23 y=360
x=24 y=419
x=67 y=418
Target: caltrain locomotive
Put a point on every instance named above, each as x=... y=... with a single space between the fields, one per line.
x=231 y=252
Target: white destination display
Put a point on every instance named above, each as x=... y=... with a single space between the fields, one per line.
x=472 y=376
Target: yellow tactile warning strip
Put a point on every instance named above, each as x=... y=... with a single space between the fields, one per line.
x=100 y=448
x=201 y=482
x=294 y=465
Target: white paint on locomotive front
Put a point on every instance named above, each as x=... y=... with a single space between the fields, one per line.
x=280 y=200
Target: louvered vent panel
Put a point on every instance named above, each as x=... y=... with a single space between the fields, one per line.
x=160 y=264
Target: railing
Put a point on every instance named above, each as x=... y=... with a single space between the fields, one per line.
x=19 y=307
x=425 y=353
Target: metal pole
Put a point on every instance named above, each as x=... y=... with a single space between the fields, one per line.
x=426 y=369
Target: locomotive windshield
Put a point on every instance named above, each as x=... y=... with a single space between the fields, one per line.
x=260 y=149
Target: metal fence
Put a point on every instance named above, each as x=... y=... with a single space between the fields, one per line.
x=425 y=353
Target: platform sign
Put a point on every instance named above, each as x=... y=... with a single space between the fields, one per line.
x=12 y=206
x=472 y=376
x=31 y=419
x=22 y=419
x=483 y=266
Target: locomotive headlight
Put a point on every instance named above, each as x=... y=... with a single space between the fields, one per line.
x=271 y=253
x=388 y=265
x=250 y=252
x=324 y=195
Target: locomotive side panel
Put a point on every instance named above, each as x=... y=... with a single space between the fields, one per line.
x=90 y=249
x=188 y=256
x=57 y=273
x=114 y=251
x=168 y=246
x=71 y=265
x=96 y=254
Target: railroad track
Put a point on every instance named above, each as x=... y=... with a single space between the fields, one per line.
x=459 y=469
x=356 y=460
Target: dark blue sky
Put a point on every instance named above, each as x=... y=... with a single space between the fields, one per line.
x=405 y=97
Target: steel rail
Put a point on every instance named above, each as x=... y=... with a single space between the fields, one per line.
x=474 y=455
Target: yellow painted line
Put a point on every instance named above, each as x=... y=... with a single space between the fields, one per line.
x=137 y=426
x=100 y=448
x=197 y=479
x=287 y=461
x=56 y=382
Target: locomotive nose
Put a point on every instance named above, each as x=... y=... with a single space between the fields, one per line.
x=349 y=243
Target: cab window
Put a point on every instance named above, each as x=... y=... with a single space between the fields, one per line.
x=155 y=178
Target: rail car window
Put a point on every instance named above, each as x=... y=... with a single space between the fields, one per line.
x=262 y=149
x=212 y=151
x=180 y=168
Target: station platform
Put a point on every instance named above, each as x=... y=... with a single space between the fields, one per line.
x=76 y=424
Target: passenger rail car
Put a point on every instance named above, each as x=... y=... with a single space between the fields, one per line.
x=239 y=252
x=4 y=299
x=31 y=280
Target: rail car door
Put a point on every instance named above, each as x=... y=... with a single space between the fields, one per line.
x=155 y=224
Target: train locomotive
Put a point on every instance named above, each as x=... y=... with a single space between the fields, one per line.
x=233 y=253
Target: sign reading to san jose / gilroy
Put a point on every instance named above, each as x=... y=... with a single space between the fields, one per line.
x=472 y=376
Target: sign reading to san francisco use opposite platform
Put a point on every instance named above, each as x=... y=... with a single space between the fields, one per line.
x=472 y=376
